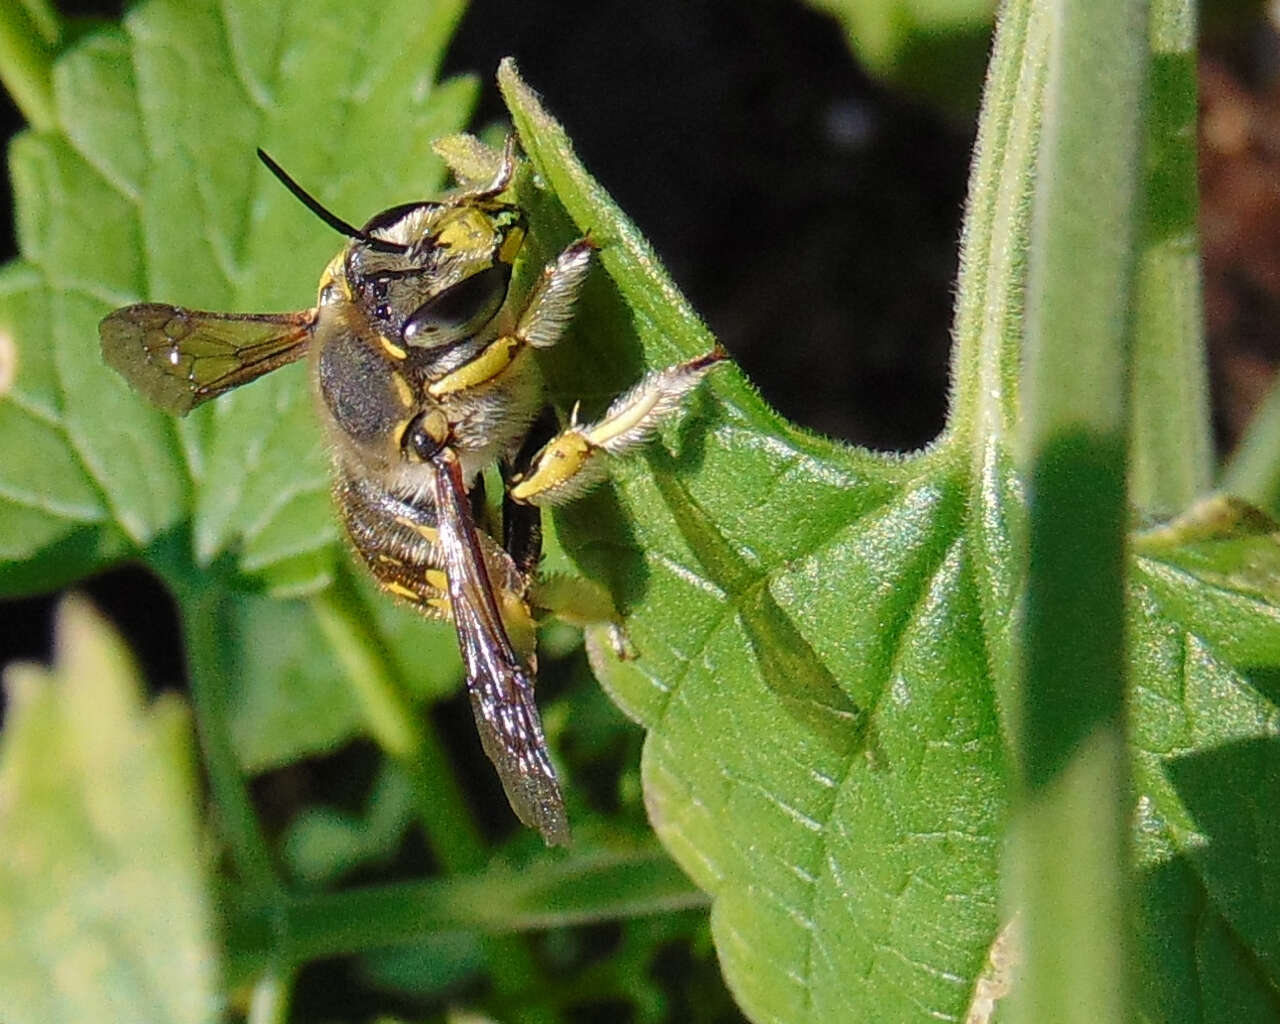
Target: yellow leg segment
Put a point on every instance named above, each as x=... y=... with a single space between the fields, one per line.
x=541 y=321
x=582 y=603
x=574 y=460
x=492 y=360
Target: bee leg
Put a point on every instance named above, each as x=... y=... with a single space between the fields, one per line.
x=582 y=603
x=574 y=460
x=522 y=535
x=522 y=522
x=549 y=306
x=476 y=190
x=545 y=315
x=573 y=599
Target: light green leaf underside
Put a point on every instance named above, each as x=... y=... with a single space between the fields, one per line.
x=104 y=914
x=150 y=190
x=824 y=653
x=1207 y=715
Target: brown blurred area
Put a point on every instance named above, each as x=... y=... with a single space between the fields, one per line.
x=1240 y=222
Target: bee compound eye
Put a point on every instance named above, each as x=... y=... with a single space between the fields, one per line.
x=425 y=435
x=460 y=310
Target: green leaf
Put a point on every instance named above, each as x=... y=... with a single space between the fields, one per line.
x=105 y=911
x=145 y=187
x=825 y=754
x=1205 y=618
x=825 y=636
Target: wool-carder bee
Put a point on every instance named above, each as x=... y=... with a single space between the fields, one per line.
x=421 y=356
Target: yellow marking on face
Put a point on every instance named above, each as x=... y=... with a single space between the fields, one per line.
x=468 y=228
x=495 y=358
x=436 y=578
x=511 y=245
x=441 y=604
x=391 y=348
x=397 y=432
x=403 y=391
x=558 y=463
x=400 y=590
x=335 y=276
x=386 y=559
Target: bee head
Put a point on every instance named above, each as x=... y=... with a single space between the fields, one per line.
x=429 y=274
x=448 y=276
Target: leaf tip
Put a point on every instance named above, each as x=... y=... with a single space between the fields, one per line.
x=89 y=651
x=522 y=101
x=509 y=73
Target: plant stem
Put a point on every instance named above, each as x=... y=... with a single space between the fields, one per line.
x=1069 y=871
x=989 y=311
x=1171 y=448
x=1254 y=470
x=441 y=806
x=46 y=19
x=407 y=737
x=205 y=620
x=580 y=889
x=26 y=61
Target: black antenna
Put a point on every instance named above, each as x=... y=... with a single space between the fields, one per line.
x=332 y=219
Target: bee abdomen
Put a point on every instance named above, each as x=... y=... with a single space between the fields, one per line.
x=398 y=541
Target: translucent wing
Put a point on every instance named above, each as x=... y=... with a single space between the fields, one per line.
x=179 y=357
x=500 y=686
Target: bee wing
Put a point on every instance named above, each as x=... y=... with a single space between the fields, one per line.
x=179 y=357
x=500 y=686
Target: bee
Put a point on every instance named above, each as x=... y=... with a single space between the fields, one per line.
x=421 y=358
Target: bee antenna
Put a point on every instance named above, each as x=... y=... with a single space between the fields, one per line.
x=330 y=218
